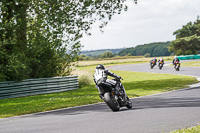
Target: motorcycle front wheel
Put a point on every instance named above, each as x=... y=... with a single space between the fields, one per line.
x=151 y=66
x=177 y=68
x=111 y=102
x=160 y=67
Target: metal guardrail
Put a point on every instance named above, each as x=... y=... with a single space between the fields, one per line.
x=11 y=89
x=188 y=57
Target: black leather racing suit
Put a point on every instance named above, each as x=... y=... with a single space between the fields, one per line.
x=175 y=60
x=161 y=60
x=153 y=60
x=100 y=76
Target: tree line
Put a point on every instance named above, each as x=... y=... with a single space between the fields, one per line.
x=152 y=49
x=147 y=50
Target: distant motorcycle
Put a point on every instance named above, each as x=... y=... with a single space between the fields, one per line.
x=177 y=65
x=160 y=65
x=114 y=98
x=152 y=64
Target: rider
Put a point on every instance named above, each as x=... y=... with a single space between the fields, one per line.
x=175 y=60
x=154 y=59
x=161 y=60
x=100 y=76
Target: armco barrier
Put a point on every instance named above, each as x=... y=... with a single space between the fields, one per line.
x=29 y=87
x=197 y=56
x=188 y=57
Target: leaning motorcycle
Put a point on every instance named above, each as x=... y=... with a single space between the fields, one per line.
x=115 y=98
x=160 y=65
x=152 y=64
x=177 y=65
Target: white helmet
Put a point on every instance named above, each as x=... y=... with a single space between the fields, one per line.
x=175 y=57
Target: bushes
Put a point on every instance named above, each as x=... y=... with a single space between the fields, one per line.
x=84 y=80
x=147 y=55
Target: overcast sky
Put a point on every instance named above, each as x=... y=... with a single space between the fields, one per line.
x=148 y=21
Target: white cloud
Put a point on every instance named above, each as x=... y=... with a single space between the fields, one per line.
x=149 y=21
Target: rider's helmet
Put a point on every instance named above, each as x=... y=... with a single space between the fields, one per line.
x=154 y=57
x=100 y=66
x=175 y=57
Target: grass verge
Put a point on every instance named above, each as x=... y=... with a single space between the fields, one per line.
x=191 y=64
x=188 y=130
x=136 y=84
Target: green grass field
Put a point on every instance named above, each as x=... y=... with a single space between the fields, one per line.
x=120 y=60
x=136 y=84
x=191 y=64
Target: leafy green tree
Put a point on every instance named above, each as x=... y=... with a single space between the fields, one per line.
x=106 y=55
x=187 y=39
x=40 y=38
x=147 y=55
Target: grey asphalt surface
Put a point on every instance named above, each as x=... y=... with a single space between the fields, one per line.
x=193 y=71
x=150 y=114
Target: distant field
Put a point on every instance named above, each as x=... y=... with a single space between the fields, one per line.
x=101 y=51
x=121 y=60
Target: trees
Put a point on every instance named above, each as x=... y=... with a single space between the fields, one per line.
x=187 y=39
x=154 y=49
x=107 y=54
x=40 y=38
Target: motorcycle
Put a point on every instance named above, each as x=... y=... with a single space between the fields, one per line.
x=160 y=65
x=177 y=65
x=152 y=64
x=115 y=98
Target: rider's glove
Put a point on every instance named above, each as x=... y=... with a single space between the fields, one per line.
x=119 y=77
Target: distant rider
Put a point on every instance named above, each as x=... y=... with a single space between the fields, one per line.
x=154 y=59
x=100 y=76
x=161 y=60
x=175 y=60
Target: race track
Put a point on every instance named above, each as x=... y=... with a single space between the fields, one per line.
x=150 y=114
x=193 y=71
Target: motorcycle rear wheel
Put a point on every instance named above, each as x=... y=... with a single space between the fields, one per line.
x=111 y=102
